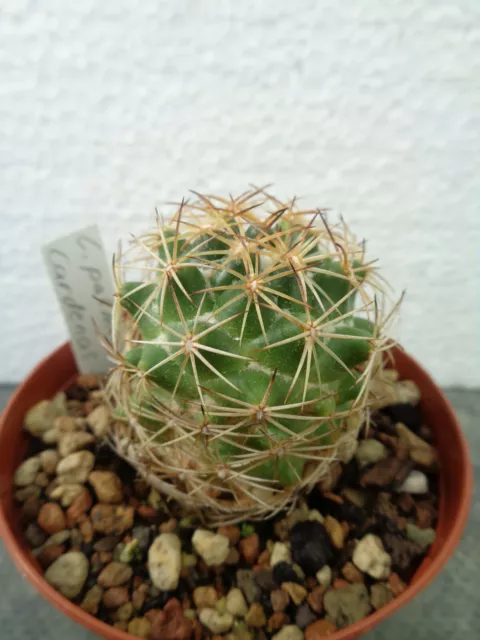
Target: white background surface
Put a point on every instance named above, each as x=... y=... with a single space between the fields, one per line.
x=369 y=107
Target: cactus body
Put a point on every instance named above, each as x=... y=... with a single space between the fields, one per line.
x=245 y=335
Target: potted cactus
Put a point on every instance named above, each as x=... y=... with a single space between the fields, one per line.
x=262 y=460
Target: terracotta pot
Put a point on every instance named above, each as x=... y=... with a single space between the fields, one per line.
x=456 y=484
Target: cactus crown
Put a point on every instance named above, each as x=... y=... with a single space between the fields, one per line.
x=245 y=335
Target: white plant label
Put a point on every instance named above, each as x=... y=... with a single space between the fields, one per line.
x=82 y=279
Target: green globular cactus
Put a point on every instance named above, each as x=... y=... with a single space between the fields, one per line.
x=246 y=333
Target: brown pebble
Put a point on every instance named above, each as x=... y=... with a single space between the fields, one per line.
x=110 y=519
x=296 y=592
x=385 y=472
x=115 y=574
x=315 y=599
x=406 y=502
x=231 y=532
x=88 y=381
x=425 y=514
x=205 y=597
x=30 y=509
x=171 y=624
x=279 y=599
x=320 y=629
x=380 y=595
x=107 y=544
x=49 y=554
x=115 y=597
x=139 y=627
x=169 y=526
x=51 y=518
x=105 y=556
x=139 y=596
x=120 y=624
x=264 y=558
x=396 y=584
x=147 y=513
x=351 y=573
x=277 y=620
x=335 y=531
x=333 y=496
x=107 y=486
x=330 y=480
x=92 y=599
x=256 y=616
x=79 y=506
x=86 y=529
x=233 y=557
x=124 y=613
x=339 y=583
x=152 y=614
x=249 y=548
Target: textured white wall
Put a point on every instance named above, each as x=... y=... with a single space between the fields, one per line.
x=370 y=107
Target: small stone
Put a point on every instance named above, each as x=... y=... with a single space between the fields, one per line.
x=310 y=546
x=75 y=468
x=107 y=486
x=139 y=627
x=231 y=532
x=106 y=544
x=34 y=535
x=66 y=493
x=397 y=586
x=115 y=574
x=42 y=480
x=380 y=595
x=48 y=460
x=236 y=604
x=88 y=381
x=335 y=531
x=304 y=616
x=213 y=548
x=110 y=519
x=120 y=624
x=31 y=491
x=348 y=605
x=165 y=561
x=290 y=632
x=415 y=483
x=80 y=505
x=256 y=616
x=169 y=526
x=205 y=597
x=402 y=550
x=425 y=513
x=130 y=552
x=216 y=622
x=315 y=599
x=330 y=480
x=115 y=597
x=98 y=421
x=264 y=578
x=277 y=620
x=51 y=518
x=50 y=436
x=264 y=558
x=385 y=472
x=74 y=441
x=171 y=624
x=66 y=424
x=284 y=572
x=30 y=509
x=351 y=573
x=423 y=537
x=27 y=472
x=279 y=599
x=40 y=417
x=233 y=557
x=48 y=555
x=296 y=592
x=280 y=553
x=320 y=629
x=58 y=538
x=189 y=560
x=125 y=612
x=324 y=576
x=370 y=451
x=68 y=574
x=249 y=548
x=141 y=534
x=248 y=585
x=139 y=596
x=370 y=557
x=91 y=601
x=315 y=516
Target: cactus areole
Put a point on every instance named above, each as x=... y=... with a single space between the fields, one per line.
x=246 y=334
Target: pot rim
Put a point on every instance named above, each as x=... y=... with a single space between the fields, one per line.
x=431 y=567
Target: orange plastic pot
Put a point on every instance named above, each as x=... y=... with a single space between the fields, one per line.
x=456 y=485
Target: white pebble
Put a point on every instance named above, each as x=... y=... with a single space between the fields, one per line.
x=289 y=632
x=27 y=472
x=68 y=573
x=370 y=557
x=216 y=622
x=66 y=493
x=165 y=561
x=40 y=417
x=370 y=451
x=98 y=421
x=416 y=483
x=236 y=604
x=212 y=547
x=280 y=553
x=75 y=468
x=49 y=460
x=324 y=576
